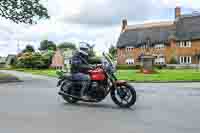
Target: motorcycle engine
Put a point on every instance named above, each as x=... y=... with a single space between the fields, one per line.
x=97 y=90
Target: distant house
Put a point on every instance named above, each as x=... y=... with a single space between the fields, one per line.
x=61 y=59
x=10 y=60
x=2 y=62
x=177 y=40
x=7 y=61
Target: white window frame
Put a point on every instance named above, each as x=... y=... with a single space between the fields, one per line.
x=181 y=44
x=185 y=44
x=185 y=60
x=129 y=48
x=160 y=60
x=130 y=61
x=161 y=45
x=188 y=44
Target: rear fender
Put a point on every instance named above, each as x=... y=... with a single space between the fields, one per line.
x=63 y=80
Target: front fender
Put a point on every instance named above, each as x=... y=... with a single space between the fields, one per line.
x=121 y=82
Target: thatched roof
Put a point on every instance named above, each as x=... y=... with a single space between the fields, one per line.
x=187 y=27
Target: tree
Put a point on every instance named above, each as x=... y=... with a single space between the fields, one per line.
x=47 y=45
x=67 y=45
x=29 y=48
x=47 y=58
x=25 y=60
x=35 y=60
x=113 y=51
x=43 y=45
x=23 y=11
x=52 y=46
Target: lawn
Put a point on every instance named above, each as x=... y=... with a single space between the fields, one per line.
x=133 y=75
x=161 y=75
x=46 y=72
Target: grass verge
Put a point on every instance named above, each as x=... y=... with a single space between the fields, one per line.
x=164 y=75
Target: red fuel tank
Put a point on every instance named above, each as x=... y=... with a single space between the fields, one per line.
x=97 y=74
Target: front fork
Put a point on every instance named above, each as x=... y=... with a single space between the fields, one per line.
x=60 y=82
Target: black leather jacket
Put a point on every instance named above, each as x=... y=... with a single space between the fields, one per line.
x=80 y=63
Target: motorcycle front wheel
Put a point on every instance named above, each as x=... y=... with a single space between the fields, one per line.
x=67 y=88
x=124 y=95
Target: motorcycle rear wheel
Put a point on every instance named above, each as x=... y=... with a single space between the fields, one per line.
x=123 y=93
x=67 y=98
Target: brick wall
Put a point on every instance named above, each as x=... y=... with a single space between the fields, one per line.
x=58 y=60
x=169 y=52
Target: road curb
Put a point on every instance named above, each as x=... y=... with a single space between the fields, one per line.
x=10 y=80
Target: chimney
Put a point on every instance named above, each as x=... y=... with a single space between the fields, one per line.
x=124 y=24
x=177 y=12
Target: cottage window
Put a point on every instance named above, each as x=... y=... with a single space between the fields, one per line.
x=188 y=44
x=159 y=46
x=178 y=44
x=185 y=44
x=143 y=46
x=185 y=59
x=129 y=49
x=160 y=60
x=181 y=44
x=130 y=61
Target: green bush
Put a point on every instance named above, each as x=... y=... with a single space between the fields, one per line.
x=173 y=61
x=171 y=67
x=34 y=60
x=126 y=67
x=159 y=66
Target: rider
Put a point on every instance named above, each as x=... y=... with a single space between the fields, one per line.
x=80 y=66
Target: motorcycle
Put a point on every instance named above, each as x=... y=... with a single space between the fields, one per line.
x=103 y=81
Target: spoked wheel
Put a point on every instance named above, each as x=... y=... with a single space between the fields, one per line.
x=124 y=95
x=67 y=88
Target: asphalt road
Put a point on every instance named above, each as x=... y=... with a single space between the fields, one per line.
x=33 y=106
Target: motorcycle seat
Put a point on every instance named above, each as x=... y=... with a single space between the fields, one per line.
x=80 y=77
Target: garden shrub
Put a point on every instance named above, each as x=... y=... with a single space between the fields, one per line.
x=173 y=61
x=171 y=67
x=125 y=67
x=34 y=60
x=159 y=66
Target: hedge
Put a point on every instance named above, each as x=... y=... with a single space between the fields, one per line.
x=125 y=67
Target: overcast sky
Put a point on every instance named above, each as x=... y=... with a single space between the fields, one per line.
x=95 y=21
